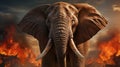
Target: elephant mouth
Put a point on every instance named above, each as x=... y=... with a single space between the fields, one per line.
x=49 y=45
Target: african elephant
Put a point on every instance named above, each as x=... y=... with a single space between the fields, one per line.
x=61 y=28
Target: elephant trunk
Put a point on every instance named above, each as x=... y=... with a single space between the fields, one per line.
x=60 y=39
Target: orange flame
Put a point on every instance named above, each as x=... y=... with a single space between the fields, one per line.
x=109 y=49
x=11 y=48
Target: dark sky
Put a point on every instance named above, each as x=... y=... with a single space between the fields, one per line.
x=19 y=8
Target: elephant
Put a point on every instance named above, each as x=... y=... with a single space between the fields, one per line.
x=60 y=28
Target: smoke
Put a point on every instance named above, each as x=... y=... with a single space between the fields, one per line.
x=116 y=8
x=95 y=2
x=28 y=41
x=6 y=19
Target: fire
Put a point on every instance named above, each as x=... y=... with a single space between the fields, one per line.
x=109 y=50
x=10 y=48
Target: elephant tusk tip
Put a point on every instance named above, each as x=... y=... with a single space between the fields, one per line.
x=75 y=50
x=82 y=57
x=38 y=58
x=45 y=51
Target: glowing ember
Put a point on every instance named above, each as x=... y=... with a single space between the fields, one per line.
x=109 y=49
x=11 y=48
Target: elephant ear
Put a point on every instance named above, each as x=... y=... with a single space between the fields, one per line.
x=34 y=23
x=90 y=21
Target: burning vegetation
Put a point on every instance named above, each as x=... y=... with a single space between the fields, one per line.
x=110 y=51
x=12 y=54
x=107 y=53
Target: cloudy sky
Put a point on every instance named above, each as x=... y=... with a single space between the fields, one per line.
x=109 y=8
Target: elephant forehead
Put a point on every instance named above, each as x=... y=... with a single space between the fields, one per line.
x=62 y=8
x=66 y=6
x=61 y=3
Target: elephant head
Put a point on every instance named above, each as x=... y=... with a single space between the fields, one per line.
x=63 y=25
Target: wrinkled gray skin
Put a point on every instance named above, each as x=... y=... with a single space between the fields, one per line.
x=61 y=22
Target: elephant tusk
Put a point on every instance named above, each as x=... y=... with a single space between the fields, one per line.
x=75 y=50
x=45 y=51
